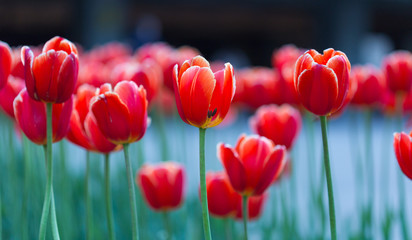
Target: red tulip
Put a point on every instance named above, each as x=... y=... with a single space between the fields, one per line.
x=5 y=63
x=279 y=124
x=162 y=185
x=402 y=145
x=121 y=114
x=108 y=53
x=283 y=60
x=221 y=197
x=322 y=81
x=371 y=85
x=8 y=94
x=146 y=73
x=93 y=73
x=52 y=75
x=31 y=117
x=83 y=129
x=398 y=71
x=258 y=86
x=252 y=164
x=202 y=97
x=255 y=207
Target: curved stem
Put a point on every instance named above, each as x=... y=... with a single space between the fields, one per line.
x=167 y=225
x=203 y=194
x=89 y=210
x=323 y=122
x=245 y=214
x=55 y=228
x=109 y=210
x=132 y=196
x=49 y=170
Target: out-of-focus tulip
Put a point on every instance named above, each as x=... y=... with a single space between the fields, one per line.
x=31 y=117
x=93 y=73
x=108 y=53
x=146 y=73
x=52 y=75
x=202 y=97
x=283 y=60
x=322 y=81
x=252 y=164
x=255 y=207
x=167 y=57
x=83 y=130
x=371 y=85
x=279 y=124
x=397 y=68
x=402 y=145
x=8 y=94
x=221 y=197
x=162 y=185
x=5 y=63
x=258 y=86
x=121 y=113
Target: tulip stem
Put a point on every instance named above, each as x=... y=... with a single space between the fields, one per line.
x=323 y=123
x=89 y=213
x=369 y=161
x=49 y=179
x=109 y=210
x=203 y=195
x=167 y=225
x=245 y=212
x=55 y=228
x=132 y=196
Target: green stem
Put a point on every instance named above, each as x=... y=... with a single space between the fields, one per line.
x=27 y=176
x=369 y=160
x=167 y=225
x=132 y=196
x=49 y=170
x=245 y=213
x=55 y=228
x=228 y=229
x=203 y=195
x=323 y=122
x=109 y=210
x=89 y=210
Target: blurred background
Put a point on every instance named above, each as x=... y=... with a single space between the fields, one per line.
x=245 y=34
x=249 y=30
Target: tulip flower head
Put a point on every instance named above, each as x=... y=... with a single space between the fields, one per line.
x=222 y=199
x=371 y=85
x=5 y=63
x=202 y=97
x=252 y=164
x=52 y=75
x=9 y=93
x=162 y=185
x=121 y=113
x=397 y=67
x=322 y=81
x=83 y=128
x=279 y=124
x=31 y=117
x=402 y=145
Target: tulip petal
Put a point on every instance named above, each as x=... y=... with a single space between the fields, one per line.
x=176 y=86
x=233 y=166
x=149 y=190
x=77 y=134
x=340 y=67
x=61 y=119
x=272 y=168
x=96 y=137
x=318 y=89
x=67 y=78
x=27 y=58
x=112 y=117
x=403 y=150
x=5 y=63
